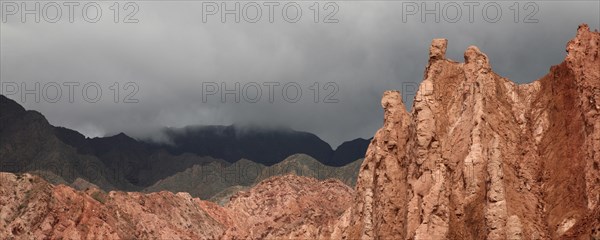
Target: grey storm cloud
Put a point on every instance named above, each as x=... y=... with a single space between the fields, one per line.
x=173 y=56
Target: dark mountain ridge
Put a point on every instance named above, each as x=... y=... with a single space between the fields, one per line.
x=233 y=142
x=29 y=143
x=142 y=163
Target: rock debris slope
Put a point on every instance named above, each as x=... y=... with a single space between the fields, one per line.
x=480 y=157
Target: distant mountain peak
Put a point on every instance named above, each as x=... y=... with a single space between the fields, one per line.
x=9 y=107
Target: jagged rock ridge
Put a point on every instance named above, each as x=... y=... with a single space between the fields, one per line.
x=480 y=157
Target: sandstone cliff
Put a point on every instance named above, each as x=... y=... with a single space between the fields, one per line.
x=480 y=157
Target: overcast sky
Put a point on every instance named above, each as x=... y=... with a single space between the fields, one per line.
x=173 y=57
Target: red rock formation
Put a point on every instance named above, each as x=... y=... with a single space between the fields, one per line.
x=286 y=206
x=289 y=207
x=480 y=157
x=31 y=208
